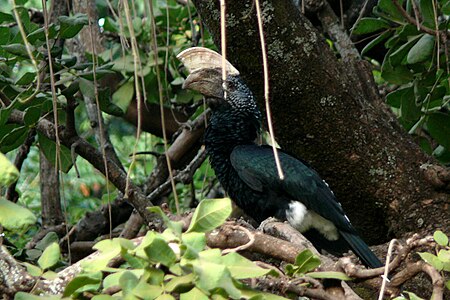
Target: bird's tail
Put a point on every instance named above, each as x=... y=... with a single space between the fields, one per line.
x=360 y=248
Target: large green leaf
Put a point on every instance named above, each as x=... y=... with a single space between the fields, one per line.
x=194 y=242
x=241 y=268
x=8 y=172
x=399 y=55
x=396 y=75
x=71 y=25
x=306 y=261
x=123 y=95
x=14 y=138
x=83 y=283
x=432 y=260
x=16 y=49
x=26 y=296
x=180 y=283
x=50 y=256
x=128 y=281
x=376 y=41
x=438 y=125
x=210 y=214
x=160 y=252
x=49 y=148
x=440 y=238
x=388 y=10
x=104 y=100
x=212 y=275
x=410 y=111
x=369 y=25
x=108 y=250
x=422 y=50
x=194 y=293
x=394 y=99
x=427 y=13
x=14 y=216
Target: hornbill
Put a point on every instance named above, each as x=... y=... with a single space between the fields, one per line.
x=247 y=171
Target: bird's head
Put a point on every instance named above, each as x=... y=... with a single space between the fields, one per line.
x=205 y=68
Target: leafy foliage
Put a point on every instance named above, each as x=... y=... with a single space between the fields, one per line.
x=166 y=264
x=417 y=66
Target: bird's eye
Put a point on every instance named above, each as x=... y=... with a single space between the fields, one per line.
x=229 y=85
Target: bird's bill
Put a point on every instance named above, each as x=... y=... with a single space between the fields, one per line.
x=197 y=58
x=207 y=81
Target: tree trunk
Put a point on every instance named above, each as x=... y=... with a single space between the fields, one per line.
x=51 y=203
x=322 y=115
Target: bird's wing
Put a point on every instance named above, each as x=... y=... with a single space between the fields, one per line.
x=255 y=165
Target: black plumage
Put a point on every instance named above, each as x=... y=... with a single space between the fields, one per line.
x=248 y=172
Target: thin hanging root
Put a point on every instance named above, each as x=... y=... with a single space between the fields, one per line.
x=266 y=90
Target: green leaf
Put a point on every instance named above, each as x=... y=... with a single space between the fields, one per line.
x=6 y=18
x=440 y=238
x=165 y=297
x=160 y=252
x=194 y=242
x=422 y=50
x=410 y=111
x=396 y=75
x=26 y=78
x=432 y=260
x=395 y=98
x=369 y=25
x=447 y=284
x=194 y=293
x=83 y=283
x=438 y=124
x=14 y=216
x=87 y=88
x=49 y=148
x=13 y=139
x=446 y=11
x=444 y=257
x=17 y=49
x=32 y=115
x=242 y=268
x=144 y=290
x=329 y=275
x=388 y=10
x=413 y=296
x=376 y=41
x=103 y=297
x=399 y=55
x=26 y=296
x=104 y=100
x=128 y=281
x=32 y=269
x=48 y=239
x=306 y=261
x=123 y=95
x=39 y=34
x=50 y=256
x=8 y=172
x=427 y=13
x=113 y=279
x=180 y=284
x=213 y=275
x=108 y=250
x=210 y=214
x=70 y=26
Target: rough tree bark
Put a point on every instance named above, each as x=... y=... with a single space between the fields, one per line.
x=321 y=114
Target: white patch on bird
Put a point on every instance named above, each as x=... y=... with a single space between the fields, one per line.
x=303 y=219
